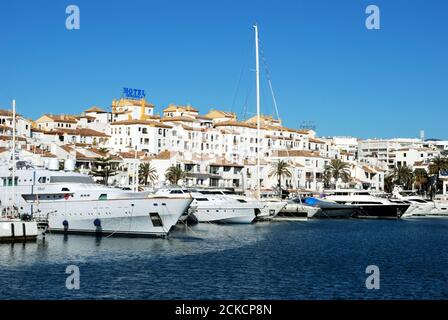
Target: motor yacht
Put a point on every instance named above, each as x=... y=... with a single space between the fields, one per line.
x=367 y=205
x=210 y=205
x=421 y=207
x=71 y=202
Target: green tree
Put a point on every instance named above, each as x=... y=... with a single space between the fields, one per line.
x=436 y=166
x=337 y=169
x=389 y=183
x=403 y=176
x=103 y=168
x=280 y=169
x=147 y=173
x=421 y=180
x=103 y=151
x=327 y=178
x=174 y=174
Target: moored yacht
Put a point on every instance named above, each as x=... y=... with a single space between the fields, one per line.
x=267 y=208
x=421 y=207
x=214 y=205
x=367 y=206
x=330 y=209
x=73 y=203
x=295 y=210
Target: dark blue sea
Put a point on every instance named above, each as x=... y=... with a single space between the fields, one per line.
x=321 y=259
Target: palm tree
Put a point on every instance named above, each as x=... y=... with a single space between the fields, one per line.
x=337 y=169
x=174 y=174
x=436 y=166
x=147 y=173
x=280 y=169
x=421 y=179
x=389 y=183
x=327 y=178
x=404 y=176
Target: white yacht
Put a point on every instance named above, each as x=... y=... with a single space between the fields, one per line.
x=214 y=205
x=421 y=207
x=295 y=210
x=73 y=203
x=367 y=205
x=266 y=208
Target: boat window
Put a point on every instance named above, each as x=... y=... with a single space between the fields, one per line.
x=102 y=196
x=72 y=179
x=241 y=200
x=417 y=200
x=65 y=189
x=155 y=219
x=201 y=199
x=175 y=192
x=366 y=202
x=42 y=179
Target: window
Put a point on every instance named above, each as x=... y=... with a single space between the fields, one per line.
x=103 y=196
x=42 y=179
x=155 y=219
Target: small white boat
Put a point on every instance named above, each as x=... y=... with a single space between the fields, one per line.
x=271 y=208
x=295 y=211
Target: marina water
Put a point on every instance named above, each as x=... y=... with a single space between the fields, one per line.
x=320 y=259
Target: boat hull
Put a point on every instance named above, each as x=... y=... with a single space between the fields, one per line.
x=135 y=218
x=17 y=231
x=228 y=215
x=380 y=211
x=270 y=210
x=291 y=216
x=298 y=210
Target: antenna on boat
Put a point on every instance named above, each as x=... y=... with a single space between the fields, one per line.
x=257 y=75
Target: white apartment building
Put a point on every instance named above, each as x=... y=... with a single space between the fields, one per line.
x=50 y=122
x=23 y=126
x=381 y=152
x=141 y=135
x=415 y=157
x=95 y=118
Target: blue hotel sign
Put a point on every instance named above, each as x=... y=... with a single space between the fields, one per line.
x=134 y=93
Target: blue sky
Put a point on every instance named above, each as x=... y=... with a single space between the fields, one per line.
x=326 y=67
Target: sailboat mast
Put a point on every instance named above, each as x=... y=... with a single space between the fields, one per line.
x=13 y=153
x=257 y=72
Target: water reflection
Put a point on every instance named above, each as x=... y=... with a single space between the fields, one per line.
x=306 y=260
